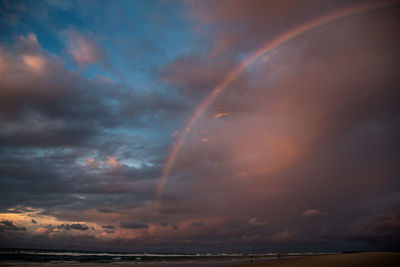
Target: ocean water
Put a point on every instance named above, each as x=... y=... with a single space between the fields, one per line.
x=36 y=257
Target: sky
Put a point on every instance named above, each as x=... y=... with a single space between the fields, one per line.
x=100 y=147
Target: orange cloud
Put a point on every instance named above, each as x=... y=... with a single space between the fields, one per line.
x=113 y=162
x=91 y=163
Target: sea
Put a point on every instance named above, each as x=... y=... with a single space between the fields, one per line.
x=64 y=258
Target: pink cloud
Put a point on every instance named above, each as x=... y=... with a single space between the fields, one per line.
x=36 y=63
x=83 y=49
x=242 y=25
x=305 y=120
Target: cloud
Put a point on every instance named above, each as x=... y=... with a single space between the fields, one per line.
x=245 y=25
x=58 y=130
x=27 y=45
x=6 y=225
x=310 y=213
x=108 y=227
x=287 y=235
x=379 y=229
x=196 y=74
x=80 y=227
x=36 y=63
x=44 y=98
x=112 y=162
x=83 y=49
x=314 y=121
x=74 y=226
x=21 y=209
x=173 y=225
x=304 y=124
x=92 y=163
x=197 y=224
x=104 y=210
x=255 y=222
x=133 y=225
x=222 y=114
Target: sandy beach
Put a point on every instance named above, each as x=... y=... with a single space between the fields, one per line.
x=368 y=259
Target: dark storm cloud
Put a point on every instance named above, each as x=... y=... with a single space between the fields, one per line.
x=133 y=225
x=60 y=135
x=54 y=120
x=381 y=229
x=6 y=225
x=74 y=226
x=78 y=226
x=173 y=225
x=75 y=135
x=59 y=186
x=67 y=227
x=20 y=209
x=37 y=86
x=108 y=227
x=37 y=90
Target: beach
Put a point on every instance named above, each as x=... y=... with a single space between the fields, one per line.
x=65 y=258
x=365 y=259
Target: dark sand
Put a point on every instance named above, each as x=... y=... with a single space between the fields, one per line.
x=367 y=259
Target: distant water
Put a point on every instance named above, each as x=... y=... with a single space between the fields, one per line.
x=35 y=257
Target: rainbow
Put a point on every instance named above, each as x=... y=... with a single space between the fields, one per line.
x=275 y=43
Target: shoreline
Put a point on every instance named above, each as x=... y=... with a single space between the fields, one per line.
x=364 y=259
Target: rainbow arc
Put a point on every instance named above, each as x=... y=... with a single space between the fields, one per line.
x=269 y=46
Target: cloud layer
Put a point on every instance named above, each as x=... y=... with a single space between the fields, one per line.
x=299 y=153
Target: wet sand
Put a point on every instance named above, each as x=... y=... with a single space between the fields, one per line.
x=367 y=259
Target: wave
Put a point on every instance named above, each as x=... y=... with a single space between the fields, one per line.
x=51 y=256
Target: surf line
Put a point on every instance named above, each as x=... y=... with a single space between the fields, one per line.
x=270 y=45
